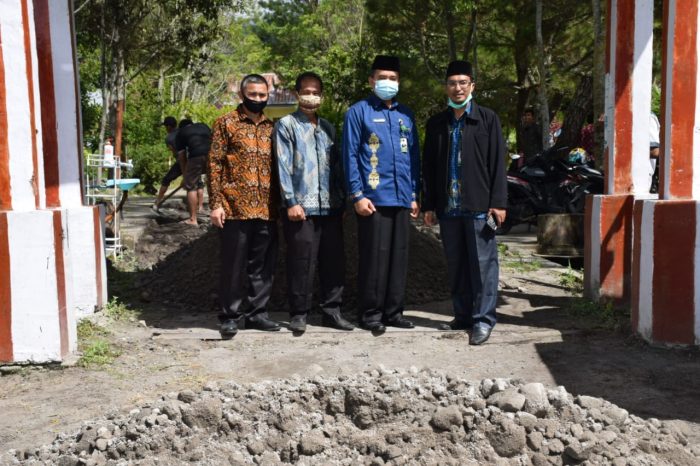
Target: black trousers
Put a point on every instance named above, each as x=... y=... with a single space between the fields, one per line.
x=316 y=241
x=383 y=253
x=248 y=256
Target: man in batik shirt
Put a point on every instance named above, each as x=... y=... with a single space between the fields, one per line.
x=243 y=198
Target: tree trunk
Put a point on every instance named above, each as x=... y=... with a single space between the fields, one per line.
x=450 y=26
x=475 y=55
x=576 y=114
x=120 y=103
x=184 y=87
x=521 y=57
x=598 y=80
x=161 y=87
x=542 y=68
x=471 y=36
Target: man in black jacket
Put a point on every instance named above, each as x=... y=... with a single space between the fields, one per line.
x=464 y=187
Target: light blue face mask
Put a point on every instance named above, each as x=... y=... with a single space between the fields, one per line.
x=386 y=89
x=458 y=106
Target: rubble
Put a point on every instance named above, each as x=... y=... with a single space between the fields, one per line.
x=374 y=418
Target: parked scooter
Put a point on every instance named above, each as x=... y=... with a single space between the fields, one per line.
x=549 y=183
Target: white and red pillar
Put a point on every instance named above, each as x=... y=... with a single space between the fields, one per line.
x=666 y=272
x=609 y=217
x=52 y=267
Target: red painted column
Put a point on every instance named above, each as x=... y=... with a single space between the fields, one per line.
x=665 y=305
x=5 y=293
x=609 y=219
x=5 y=192
x=679 y=148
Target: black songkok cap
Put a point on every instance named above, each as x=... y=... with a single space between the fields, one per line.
x=169 y=121
x=459 y=67
x=386 y=62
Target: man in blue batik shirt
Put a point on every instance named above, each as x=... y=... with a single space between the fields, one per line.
x=382 y=168
x=313 y=198
x=464 y=185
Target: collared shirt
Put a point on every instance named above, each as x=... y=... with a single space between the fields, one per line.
x=309 y=166
x=240 y=170
x=392 y=176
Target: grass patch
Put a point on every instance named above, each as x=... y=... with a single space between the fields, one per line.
x=603 y=314
x=88 y=329
x=519 y=264
x=97 y=352
x=118 y=311
x=125 y=262
x=572 y=281
x=522 y=266
x=95 y=348
x=513 y=260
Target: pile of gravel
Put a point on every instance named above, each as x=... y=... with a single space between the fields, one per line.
x=374 y=418
x=176 y=257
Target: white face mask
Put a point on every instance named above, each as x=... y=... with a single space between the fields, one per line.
x=311 y=102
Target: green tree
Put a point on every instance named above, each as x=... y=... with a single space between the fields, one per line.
x=133 y=36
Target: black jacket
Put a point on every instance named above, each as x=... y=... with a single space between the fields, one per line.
x=484 y=184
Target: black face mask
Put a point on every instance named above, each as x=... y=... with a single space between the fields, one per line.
x=253 y=106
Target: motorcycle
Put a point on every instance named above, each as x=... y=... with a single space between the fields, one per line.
x=549 y=183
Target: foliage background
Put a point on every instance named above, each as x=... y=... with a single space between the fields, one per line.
x=179 y=58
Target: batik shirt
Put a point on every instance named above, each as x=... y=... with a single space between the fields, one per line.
x=309 y=166
x=240 y=168
x=454 y=182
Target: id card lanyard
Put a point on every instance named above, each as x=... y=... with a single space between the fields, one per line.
x=403 y=136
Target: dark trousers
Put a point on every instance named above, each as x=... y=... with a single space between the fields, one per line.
x=248 y=256
x=318 y=240
x=383 y=253
x=472 y=267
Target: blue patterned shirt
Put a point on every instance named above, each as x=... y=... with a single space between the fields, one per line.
x=454 y=184
x=454 y=187
x=309 y=165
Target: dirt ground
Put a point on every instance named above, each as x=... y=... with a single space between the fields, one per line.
x=176 y=346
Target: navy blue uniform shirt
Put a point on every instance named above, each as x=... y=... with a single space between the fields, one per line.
x=392 y=179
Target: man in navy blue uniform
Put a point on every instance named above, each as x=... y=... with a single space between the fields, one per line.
x=464 y=186
x=381 y=157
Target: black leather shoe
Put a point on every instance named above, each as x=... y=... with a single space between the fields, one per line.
x=374 y=327
x=298 y=323
x=228 y=329
x=479 y=336
x=399 y=322
x=337 y=321
x=455 y=324
x=262 y=323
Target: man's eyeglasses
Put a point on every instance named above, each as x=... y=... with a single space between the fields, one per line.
x=462 y=83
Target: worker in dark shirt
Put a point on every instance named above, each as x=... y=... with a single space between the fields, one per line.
x=530 y=141
x=192 y=143
x=175 y=170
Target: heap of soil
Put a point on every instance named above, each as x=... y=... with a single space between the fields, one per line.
x=374 y=418
x=181 y=265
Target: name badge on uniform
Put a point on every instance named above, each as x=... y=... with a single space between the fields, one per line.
x=404 y=144
x=379 y=120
